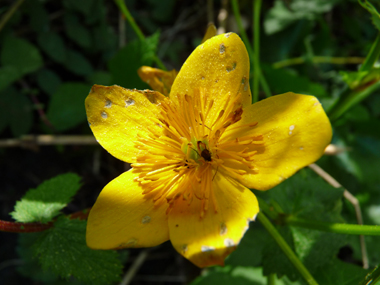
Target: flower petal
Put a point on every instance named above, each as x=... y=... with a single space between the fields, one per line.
x=116 y=115
x=210 y=32
x=123 y=217
x=209 y=240
x=220 y=66
x=295 y=132
x=158 y=79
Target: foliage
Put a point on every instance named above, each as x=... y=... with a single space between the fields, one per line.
x=44 y=203
x=51 y=52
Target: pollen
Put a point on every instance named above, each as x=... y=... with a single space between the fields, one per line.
x=200 y=139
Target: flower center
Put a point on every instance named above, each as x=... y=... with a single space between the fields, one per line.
x=197 y=142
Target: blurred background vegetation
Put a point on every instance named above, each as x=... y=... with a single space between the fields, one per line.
x=51 y=52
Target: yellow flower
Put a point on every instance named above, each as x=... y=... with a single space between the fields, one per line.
x=195 y=154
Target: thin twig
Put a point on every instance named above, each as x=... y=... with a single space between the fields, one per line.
x=352 y=199
x=135 y=267
x=15 y=227
x=333 y=149
x=317 y=60
x=222 y=18
x=10 y=13
x=33 y=141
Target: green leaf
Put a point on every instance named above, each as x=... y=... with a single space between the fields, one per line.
x=308 y=196
x=8 y=75
x=231 y=275
x=76 y=31
x=282 y=80
x=15 y=111
x=44 y=203
x=39 y=19
x=372 y=278
x=20 y=54
x=100 y=77
x=77 y=63
x=249 y=251
x=104 y=38
x=63 y=250
x=53 y=45
x=279 y=17
x=124 y=65
x=339 y=272
x=66 y=108
x=275 y=261
x=370 y=8
x=162 y=10
x=48 y=81
x=83 y=6
x=30 y=267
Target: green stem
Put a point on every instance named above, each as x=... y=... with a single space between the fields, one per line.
x=271 y=279
x=235 y=9
x=317 y=60
x=286 y=249
x=123 y=8
x=334 y=227
x=351 y=97
x=372 y=56
x=270 y=211
x=256 y=44
x=10 y=13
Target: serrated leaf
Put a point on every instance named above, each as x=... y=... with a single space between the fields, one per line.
x=44 y=203
x=63 y=250
x=124 y=65
x=30 y=267
x=48 y=81
x=16 y=111
x=371 y=8
x=76 y=31
x=275 y=261
x=231 y=275
x=308 y=196
x=66 y=107
x=339 y=272
x=249 y=250
x=77 y=63
x=21 y=54
x=53 y=45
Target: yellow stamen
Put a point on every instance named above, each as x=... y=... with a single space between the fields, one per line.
x=185 y=158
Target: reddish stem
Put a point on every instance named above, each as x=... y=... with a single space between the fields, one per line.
x=14 y=227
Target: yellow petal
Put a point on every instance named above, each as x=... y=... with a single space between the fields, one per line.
x=158 y=79
x=116 y=115
x=210 y=32
x=209 y=240
x=295 y=132
x=219 y=66
x=123 y=217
